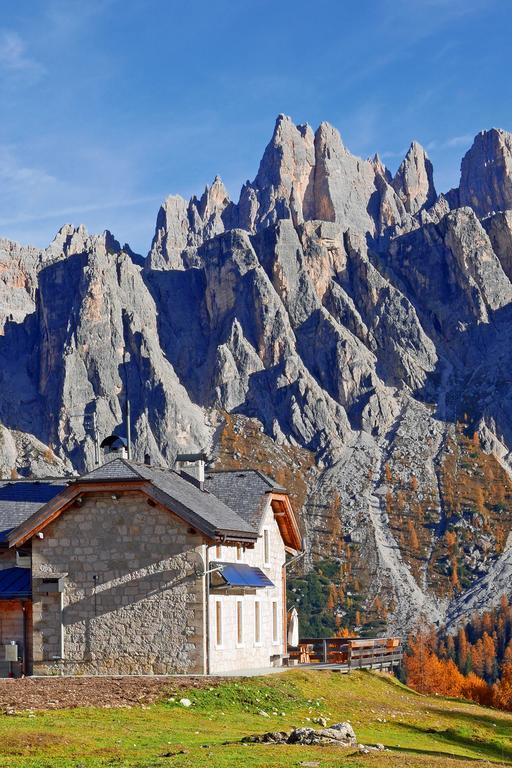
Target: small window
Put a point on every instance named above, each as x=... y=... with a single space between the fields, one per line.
x=238 y=551
x=266 y=546
x=218 y=623
x=218 y=551
x=239 y=622
x=275 y=622
x=257 y=622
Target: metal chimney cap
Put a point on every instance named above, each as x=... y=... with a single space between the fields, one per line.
x=201 y=456
x=114 y=442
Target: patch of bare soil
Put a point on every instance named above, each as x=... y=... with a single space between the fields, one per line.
x=68 y=692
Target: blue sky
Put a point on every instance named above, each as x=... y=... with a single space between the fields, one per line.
x=107 y=106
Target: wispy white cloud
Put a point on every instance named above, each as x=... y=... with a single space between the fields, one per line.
x=16 y=60
x=458 y=141
x=80 y=210
x=390 y=154
x=452 y=142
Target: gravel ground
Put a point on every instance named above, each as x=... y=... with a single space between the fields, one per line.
x=68 y=692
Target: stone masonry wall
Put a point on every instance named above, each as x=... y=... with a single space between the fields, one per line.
x=132 y=603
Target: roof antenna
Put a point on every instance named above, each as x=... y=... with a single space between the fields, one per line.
x=126 y=359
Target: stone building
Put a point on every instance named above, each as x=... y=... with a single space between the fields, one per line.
x=135 y=569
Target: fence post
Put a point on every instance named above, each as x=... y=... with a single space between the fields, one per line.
x=325 y=650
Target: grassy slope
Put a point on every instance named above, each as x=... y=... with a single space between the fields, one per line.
x=419 y=730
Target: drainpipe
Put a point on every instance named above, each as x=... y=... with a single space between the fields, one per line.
x=61 y=638
x=294 y=559
x=207 y=592
x=25 y=638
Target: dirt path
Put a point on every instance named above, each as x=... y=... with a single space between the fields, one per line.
x=69 y=692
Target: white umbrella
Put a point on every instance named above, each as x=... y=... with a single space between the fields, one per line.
x=293 y=628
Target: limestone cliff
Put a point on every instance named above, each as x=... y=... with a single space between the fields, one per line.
x=343 y=328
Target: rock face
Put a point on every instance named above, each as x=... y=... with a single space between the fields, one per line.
x=358 y=321
x=414 y=180
x=486 y=173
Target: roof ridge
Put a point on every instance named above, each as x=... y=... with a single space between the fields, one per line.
x=46 y=479
x=128 y=463
x=270 y=481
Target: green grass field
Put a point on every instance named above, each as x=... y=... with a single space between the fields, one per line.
x=417 y=730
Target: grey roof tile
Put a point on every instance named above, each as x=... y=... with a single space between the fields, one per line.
x=243 y=490
x=116 y=469
x=227 y=506
x=19 y=499
x=210 y=508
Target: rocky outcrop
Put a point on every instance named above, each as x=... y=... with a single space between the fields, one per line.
x=182 y=227
x=357 y=319
x=414 y=180
x=18 y=281
x=486 y=173
x=499 y=229
x=337 y=734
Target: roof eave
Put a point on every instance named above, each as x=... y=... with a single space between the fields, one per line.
x=290 y=531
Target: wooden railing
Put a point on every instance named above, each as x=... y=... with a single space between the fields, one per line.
x=349 y=652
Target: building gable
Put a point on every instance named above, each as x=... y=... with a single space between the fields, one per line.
x=197 y=507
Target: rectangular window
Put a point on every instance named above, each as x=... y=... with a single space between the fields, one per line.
x=218 y=623
x=239 y=622
x=266 y=547
x=257 y=622
x=275 y=622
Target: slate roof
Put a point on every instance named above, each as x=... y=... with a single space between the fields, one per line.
x=244 y=491
x=230 y=503
x=117 y=469
x=184 y=494
x=208 y=506
x=199 y=507
x=19 y=499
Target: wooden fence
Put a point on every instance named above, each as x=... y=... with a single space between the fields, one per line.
x=349 y=653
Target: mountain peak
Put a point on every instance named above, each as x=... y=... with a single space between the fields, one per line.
x=486 y=172
x=414 y=180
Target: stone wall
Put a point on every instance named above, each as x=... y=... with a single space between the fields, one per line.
x=249 y=654
x=132 y=603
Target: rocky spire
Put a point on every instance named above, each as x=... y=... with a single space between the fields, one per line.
x=414 y=180
x=344 y=183
x=486 y=173
x=283 y=182
x=182 y=227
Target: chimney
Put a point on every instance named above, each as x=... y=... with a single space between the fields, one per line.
x=191 y=466
x=114 y=446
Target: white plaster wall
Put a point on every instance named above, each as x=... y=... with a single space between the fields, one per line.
x=250 y=655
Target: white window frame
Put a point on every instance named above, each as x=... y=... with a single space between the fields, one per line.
x=266 y=547
x=219 y=610
x=258 y=642
x=239 y=616
x=275 y=623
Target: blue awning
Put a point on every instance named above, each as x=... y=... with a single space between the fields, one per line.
x=15 y=583
x=240 y=575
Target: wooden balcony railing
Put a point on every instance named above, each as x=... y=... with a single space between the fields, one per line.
x=349 y=652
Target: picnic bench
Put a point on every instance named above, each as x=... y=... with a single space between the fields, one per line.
x=349 y=653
